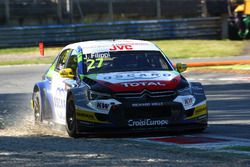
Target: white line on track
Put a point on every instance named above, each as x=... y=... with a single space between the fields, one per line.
x=231 y=122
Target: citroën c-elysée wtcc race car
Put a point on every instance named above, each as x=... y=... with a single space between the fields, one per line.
x=118 y=86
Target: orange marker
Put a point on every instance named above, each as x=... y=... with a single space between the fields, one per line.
x=41 y=48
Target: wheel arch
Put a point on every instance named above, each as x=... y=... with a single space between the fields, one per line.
x=198 y=92
x=72 y=132
x=45 y=105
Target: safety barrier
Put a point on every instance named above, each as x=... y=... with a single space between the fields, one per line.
x=192 y=28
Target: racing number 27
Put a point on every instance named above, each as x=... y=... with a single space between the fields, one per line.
x=94 y=63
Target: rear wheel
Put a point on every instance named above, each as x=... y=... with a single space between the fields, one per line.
x=71 y=124
x=37 y=108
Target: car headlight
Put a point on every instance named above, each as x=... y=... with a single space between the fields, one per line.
x=92 y=95
x=185 y=91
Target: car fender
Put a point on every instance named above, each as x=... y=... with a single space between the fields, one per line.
x=79 y=95
x=46 y=109
x=198 y=92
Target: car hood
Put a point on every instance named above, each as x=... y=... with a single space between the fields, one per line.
x=135 y=81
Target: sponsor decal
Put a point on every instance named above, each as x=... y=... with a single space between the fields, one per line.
x=187 y=101
x=148 y=104
x=59 y=100
x=95 y=60
x=133 y=76
x=86 y=116
x=121 y=47
x=146 y=122
x=135 y=84
x=102 y=106
x=200 y=109
x=100 y=55
x=94 y=63
x=138 y=81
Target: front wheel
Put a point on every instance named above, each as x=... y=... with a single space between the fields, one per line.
x=71 y=124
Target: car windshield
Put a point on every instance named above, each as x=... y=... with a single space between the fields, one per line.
x=125 y=61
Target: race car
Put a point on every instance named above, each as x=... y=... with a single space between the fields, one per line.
x=118 y=86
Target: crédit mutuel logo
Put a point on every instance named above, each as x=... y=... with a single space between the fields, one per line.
x=147 y=122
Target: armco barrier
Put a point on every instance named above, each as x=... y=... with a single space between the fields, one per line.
x=193 y=28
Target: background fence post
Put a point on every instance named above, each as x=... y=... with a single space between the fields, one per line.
x=204 y=8
x=7 y=11
x=111 y=11
x=59 y=10
x=224 y=26
x=69 y=9
x=158 y=8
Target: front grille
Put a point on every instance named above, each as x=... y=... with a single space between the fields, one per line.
x=151 y=112
x=146 y=93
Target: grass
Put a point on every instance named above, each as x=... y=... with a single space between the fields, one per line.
x=28 y=50
x=30 y=55
x=238 y=148
x=38 y=60
x=201 y=48
x=173 y=48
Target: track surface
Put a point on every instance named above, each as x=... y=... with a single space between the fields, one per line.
x=22 y=144
x=228 y=102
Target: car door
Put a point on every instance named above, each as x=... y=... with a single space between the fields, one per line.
x=58 y=88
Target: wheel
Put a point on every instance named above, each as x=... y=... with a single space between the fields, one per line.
x=71 y=124
x=37 y=108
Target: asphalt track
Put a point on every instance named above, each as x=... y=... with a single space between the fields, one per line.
x=228 y=98
x=22 y=145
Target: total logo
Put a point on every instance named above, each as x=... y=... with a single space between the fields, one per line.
x=146 y=122
x=136 y=84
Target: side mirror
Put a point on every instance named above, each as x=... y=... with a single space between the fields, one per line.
x=66 y=73
x=181 y=67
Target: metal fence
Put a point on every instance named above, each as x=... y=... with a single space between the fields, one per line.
x=44 y=12
x=194 y=28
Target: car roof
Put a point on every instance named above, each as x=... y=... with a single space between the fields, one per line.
x=97 y=46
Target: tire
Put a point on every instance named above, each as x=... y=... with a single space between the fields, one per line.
x=71 y=123
x=37 y=109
